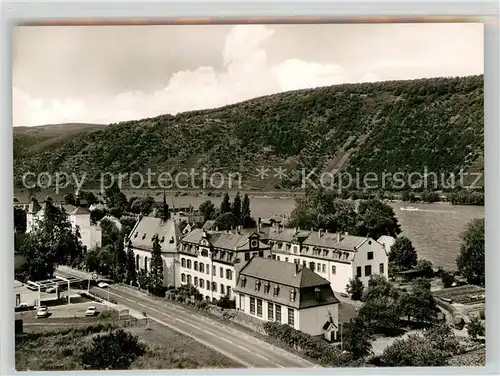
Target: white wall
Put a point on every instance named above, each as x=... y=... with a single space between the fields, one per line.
x=243 y=304
x=379 y=257
x=207 y=277
x=170 y=268
x=311 y=320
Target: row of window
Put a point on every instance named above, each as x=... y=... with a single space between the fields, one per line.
x=368 y=270
x=202 y=284
x=273 y=311
x=205 y=268
x=315 y=267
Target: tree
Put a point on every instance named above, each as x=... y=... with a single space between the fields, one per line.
x=447 y=278
x=425 y=266
x=156 y=273
x=142 y=205
x=381 y=304
x=356 y=338
x=475 y=328
x=402 y=255
x=376 y=218
x=414 y=351
x=226 y=221
x=131 y=274
x=236 y=208
x=470 y=261
x=52 y=242
x=143 y=279
x=69 y=199
x=19 y=220
x=419 y=302
x=115 y=350
x=355 y=288
x=225 y=206
x=245 y=211
x=115 y=200
x=443 y=338
x=207 y=209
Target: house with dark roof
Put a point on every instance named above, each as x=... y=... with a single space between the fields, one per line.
x=287 y=293
x=336 y=257
x=140 y=240
x=210 y=260
x=91 y=234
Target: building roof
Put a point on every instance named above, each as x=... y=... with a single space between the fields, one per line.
x=223 y=240
x=287 y=234
x=208 y=225
x=334 y=240
x=309 y=288
x=146 y=228
x=283 y=273
x=79 y=211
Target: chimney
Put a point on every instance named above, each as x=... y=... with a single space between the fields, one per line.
x=258 y=225
x=317 y=294
x=338 y=237
x=319 y=233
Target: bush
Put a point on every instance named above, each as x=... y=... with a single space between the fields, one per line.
x=475 y=328
x=414 y=351
x=443 y=338
x=312 y=347
x=114 y=350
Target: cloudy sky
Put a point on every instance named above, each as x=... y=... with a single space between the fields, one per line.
x=104 y=74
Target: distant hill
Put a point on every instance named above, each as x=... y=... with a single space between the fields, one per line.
x=379 y=127
x=42 y=138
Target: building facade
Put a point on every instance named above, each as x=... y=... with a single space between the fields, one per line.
x=287 y=293
x=91 y=234
x=334 y=256
x=211 y=260
x=140 y=241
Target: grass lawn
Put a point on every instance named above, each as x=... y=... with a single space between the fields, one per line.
x=166 y=349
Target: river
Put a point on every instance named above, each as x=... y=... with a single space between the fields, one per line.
x=434 y=229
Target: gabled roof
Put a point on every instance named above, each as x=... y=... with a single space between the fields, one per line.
x=283 y=273
x=79 y=211
x=146 y=228
x=277 y=281
x=208 y=225
x=223 y=240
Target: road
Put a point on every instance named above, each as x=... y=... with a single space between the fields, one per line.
x=237 y=345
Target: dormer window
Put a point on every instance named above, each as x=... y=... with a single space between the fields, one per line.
x=162 y=239
x=267 y=287
x=172 y=240
x=317 y=294
x=243 y=281
x=135 y=236
x=276 y=290
x=257 y=285
x=293 y=294
x=144 y=236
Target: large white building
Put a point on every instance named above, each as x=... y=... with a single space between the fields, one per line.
x=91 y=234
x=141 y=242
x=211 y=260
x=287 y=293
x=334 y=256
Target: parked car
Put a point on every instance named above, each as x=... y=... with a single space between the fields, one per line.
x=103 y=285
x=22 y=305
x=42 y=312
x=91 y=311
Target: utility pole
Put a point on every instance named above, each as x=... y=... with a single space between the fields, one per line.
x=341 y=338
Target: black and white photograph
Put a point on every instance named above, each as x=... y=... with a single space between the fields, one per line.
x=231 y=196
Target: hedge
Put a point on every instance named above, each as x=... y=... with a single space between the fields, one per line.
x=312 y=347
